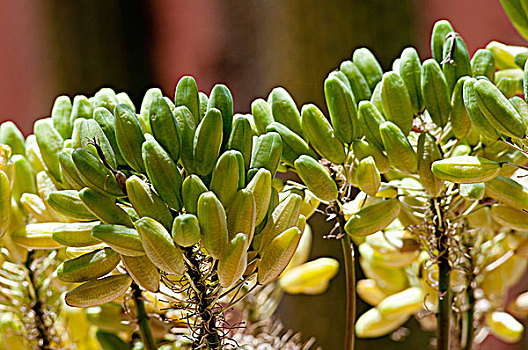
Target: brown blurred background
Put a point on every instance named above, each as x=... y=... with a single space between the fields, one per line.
x=53 y=47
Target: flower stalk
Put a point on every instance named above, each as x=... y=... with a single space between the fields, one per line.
x=470 y=316
x=143 y=320
x=42 y=338
x=207 y=332
x=443 y=317
x=350 y=277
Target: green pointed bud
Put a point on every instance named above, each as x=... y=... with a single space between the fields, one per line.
x=150 y=96
x=508 y=191
x=123 y=98
x=368 y=65
x=481 y=124
x=159 y=246
x=187 y=126
x=411 y=74
x=192 y=188
x=460 y=120
x=373 y=218
x=396 y=101
x=241 y=139
x=94 y=173
x=260 y=186
x=438 y=37
x=233 y=263
x=204 y=101
x=5 y=203
x=341 y=76
x=466 y=169
x=186 y=230
x=285 y=110
x=60 y=114
x=10 y=135
x=225 y=179
x=362 y=149
x=105 y=97
x=106 y=121
x=283 y=216
x=455 y=61
x=316 y=178
x=261 y=111
x=82 y=108
x=162 y=173
x=99 y=291
x=436 y=92
x=24 y=177
x=510 y=218
x=483 y=64
x=399 y=150
x=370 y=119
x=104 y=207
x=321 y=135
x=146 y=202
x=187 y=95
x=342 y=109
x=50 y=143
x=69 y=172
x=213 y=224
x=68 y=202
x=122 y=239
x=129 y=137
x=91 y=132
x=143 y=271
x=267 y=152
x=293 y=145
x=358 y=84
x=77 y=234
x=221 y=99
x=428 y=152
x=88 y=266
x=164 y=127
x=498 y=110
x=368 y=176
x=207 y=142
x=241 y=215
x=277 y=254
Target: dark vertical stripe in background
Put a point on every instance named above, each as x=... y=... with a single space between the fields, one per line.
x=100 y=43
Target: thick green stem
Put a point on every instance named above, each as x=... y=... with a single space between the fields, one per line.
x=350 y=276
x=470 y=330
x=444 y=306
x=40 y=325
x=213 y=339
x=204 y=300
x=443 y=317
x=143 y=320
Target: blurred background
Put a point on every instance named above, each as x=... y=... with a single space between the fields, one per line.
x=54 y=47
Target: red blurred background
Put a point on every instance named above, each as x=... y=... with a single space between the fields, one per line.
x=251 y=45
x=54 y=47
